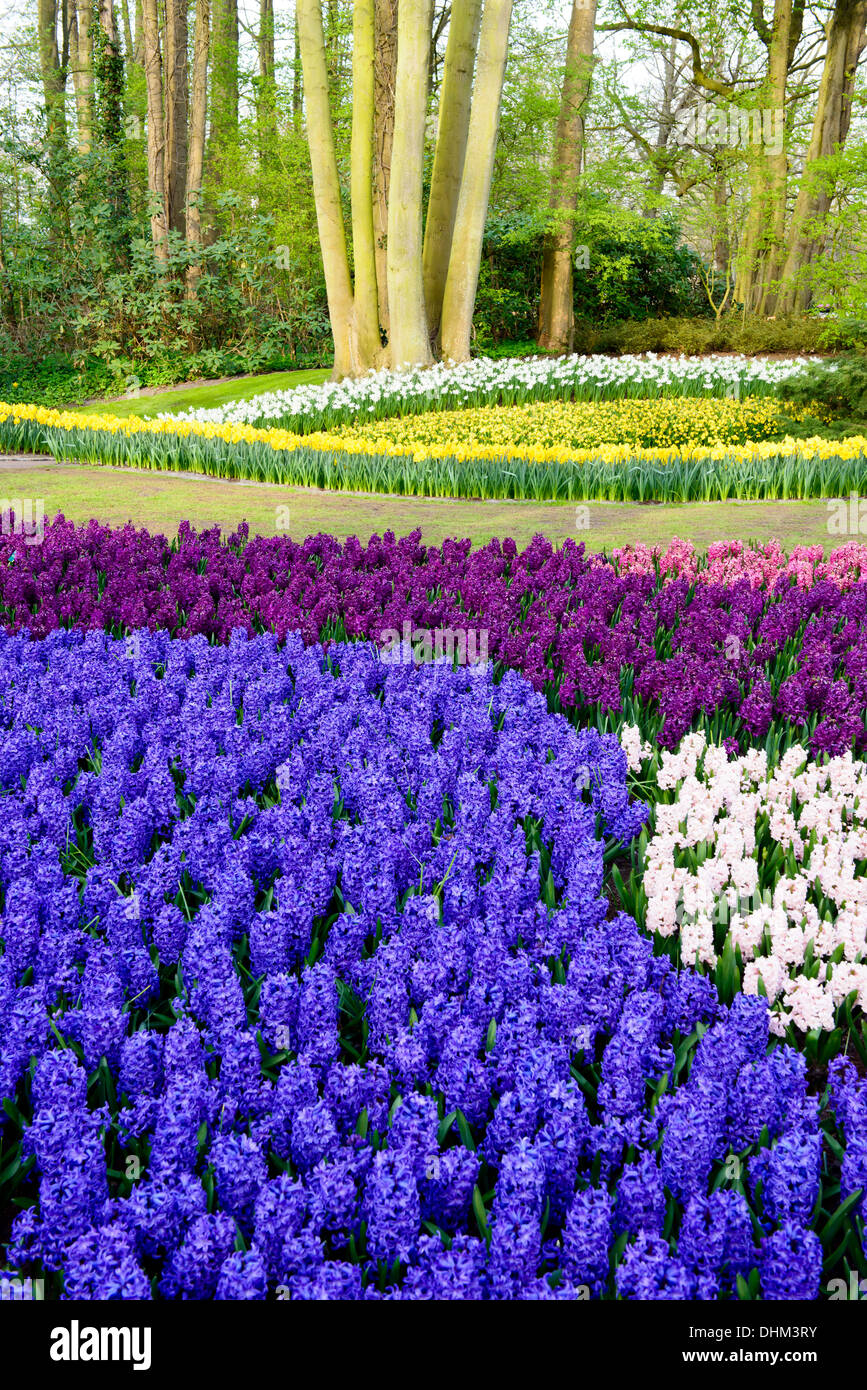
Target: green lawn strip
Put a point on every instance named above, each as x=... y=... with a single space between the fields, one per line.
x=160 y=502
x=206 y=396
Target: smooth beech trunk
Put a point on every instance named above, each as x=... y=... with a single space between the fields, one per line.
x=326 y=185
x=409 y=337
x=156 y=137
x=176 y=112
x=451 y=146
x=847 y=34
x=466 y=251
x=195 y=165
x=556 y=305
x=81 y=55
x=266 y=92
x=368 y=346
x=763 y=242
x=52 y=73
x=384 y=75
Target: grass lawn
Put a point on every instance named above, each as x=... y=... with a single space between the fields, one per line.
x=161 y=501
x=207 y=395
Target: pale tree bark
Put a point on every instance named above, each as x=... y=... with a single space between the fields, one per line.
x=52 y=73
x=266 y=108
x=156 y=136
x=81 y=53
x=847 y=35
x=223 y=134
x=224 y=67
x=384 y=73
x=128 y=37
x=366 y=308
x=466 y=253
x=762 y=246
x=451 y=147
x=556 y=315
x=297 y=82
x=176 y=83
x=326 y=185
x=409 y=339
x=195 y=165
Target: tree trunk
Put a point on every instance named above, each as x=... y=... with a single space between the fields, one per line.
x=409 y=338
x=556 y=307
x=297 y=85
x=128 y=38
x=451 y=146
x=761 y=250
x=139 y=33
x=109 y=117
x=326 y=185
x=466 y=253
x=52 y=74
x=266 y=110
x=385 y=73
x=81 y=47
x=195 y=166
x=156 y=138
x=176 y=112
x=223 y=134
x=847 y=33
x=366 y=310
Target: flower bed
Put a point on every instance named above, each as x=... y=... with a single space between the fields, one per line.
x=323 y=976
x=310 y=987
x=760 y=869
x=582 y=426
x=610 y=644
x=766 y=468
x=506 y=381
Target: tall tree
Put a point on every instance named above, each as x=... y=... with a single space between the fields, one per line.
x=53 y=73
x=223 y=136
x=556 y=306
x=108 y=70
x=81 y=53
x=385 y=73
x=156 y=134
x=297 y=78
x=409 y=340
x=847 y=35
x=176 y=111
x=465 y=259
x=326 y=185
x=763 y=241
x=195 y=164
x=266 y=91
x=451 y=147
x=368 y=346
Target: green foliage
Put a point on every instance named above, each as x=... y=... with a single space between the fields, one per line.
x=845 y=334
x=638 y=268
x=54 y=380
x=92 y=298
x=840 y=386
x=735 y=332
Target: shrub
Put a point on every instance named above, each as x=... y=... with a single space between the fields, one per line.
x=841 y=386
x=734 y=333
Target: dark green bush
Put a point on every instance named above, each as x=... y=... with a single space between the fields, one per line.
x=840 y=386
x=733 y=333
x=638 y=269
x=843 y=335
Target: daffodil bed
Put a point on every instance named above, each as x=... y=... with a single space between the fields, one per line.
x=576 y=426
x=677 y=451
